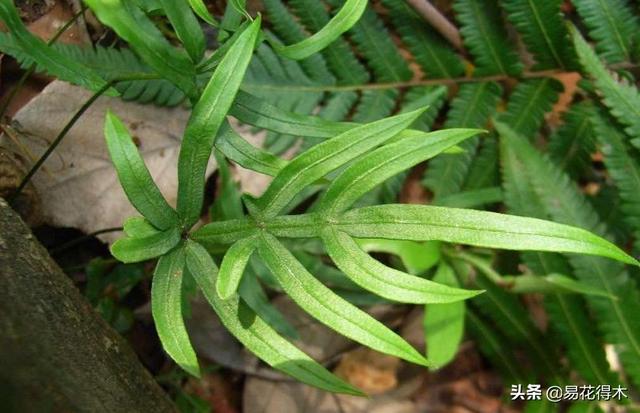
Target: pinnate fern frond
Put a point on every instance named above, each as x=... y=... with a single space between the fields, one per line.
x=621 y=97
x=543 y=31
x=612 y=24
x=486 y=38
x=473 y=106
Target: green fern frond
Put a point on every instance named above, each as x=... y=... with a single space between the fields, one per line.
x=473 y=107
x=612 y=24
x=514 y=321
x=483 y=172
x=432 y=97
x=569 y=321
x=374 y=43
x=543 y=31
x=375 y=105
x=572 y=144
x=340 y=58
x=624 y=169
x=433 y=54
x=497 y=349
x=110 y=63
x=566 y=204
x=528 y=104
x=622 y=98
x=486 y=38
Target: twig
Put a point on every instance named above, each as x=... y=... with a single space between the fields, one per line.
x=439 y=22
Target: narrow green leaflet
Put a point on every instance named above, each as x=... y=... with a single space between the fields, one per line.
x=224 y=232
x=622 y=98
x=187 y=29
x=480 y=228
x=166 y=307
x=236 y=148
x=327 y=156
x=134 y=176
x=207 y=117
x=472 y=198
x=385 y=281
x=417 y=257
x=138 y=227
x=200 y=9
x=47 y=57
x=258 y=112
x=444 y=323
x=254 y=333
x=327 y=307
x=233 y=265
x=254 y=295
x=552 y=283
x=340 y=23
x=377 y=166
x=130 y=23
x=135 y=249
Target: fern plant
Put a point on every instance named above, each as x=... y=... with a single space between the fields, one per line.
x=338 y=59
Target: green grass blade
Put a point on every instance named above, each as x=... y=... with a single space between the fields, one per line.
x=382 y=280
x=255 y=334
x=207 y=117
x=166 y=307
x=135 y=177
x=329 y=308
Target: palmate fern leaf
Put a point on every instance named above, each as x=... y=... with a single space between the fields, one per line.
x=484 y=35
x=569 y=321
x=543 y=31
x=572 y=144
x=622 y=98
x=612 y=24
x=528 y=104
x=566 y=204
x=623 y=167
x=339 y=56
x=473 y=106
x=374 y=43
x=431 y=52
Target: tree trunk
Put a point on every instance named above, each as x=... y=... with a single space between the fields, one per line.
x=56 y=353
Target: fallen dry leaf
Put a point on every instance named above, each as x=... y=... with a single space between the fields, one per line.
x=78 y=185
